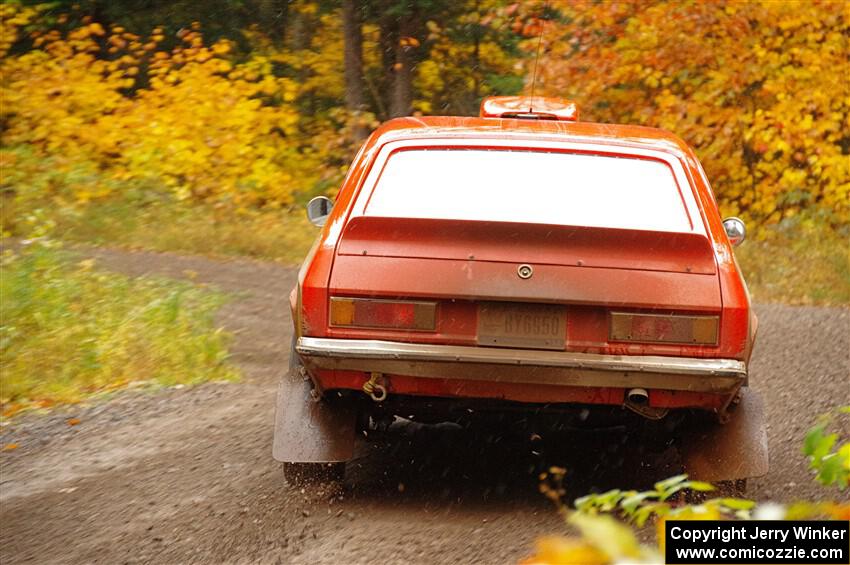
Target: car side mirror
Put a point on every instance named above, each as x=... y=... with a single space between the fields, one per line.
x=318 y=210
x=736 y=231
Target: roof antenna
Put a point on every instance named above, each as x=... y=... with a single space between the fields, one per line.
x=537 y=59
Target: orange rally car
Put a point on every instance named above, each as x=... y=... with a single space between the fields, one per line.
x=522 y=260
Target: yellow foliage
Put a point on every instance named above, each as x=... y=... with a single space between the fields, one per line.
x=602 y=540
x=194 y=123
x=760 y=89
x=13 y=21
x=112 y=111
x=557 y=550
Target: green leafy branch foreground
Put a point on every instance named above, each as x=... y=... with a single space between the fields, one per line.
x=70 y=331
x=603 y=521
x=827 y=458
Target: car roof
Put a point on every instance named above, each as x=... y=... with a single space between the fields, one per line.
x=476 y=128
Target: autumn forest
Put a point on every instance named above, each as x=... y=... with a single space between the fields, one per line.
x=224 y=116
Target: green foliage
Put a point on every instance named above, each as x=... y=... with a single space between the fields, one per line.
x=829 y=459
x=638 y=507
x=69 y=331
x=222 y=19
x=604 y=540
x=663 y=501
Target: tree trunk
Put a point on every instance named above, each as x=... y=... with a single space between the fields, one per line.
x=476 y=61
x=272 y=18
x=355 y=99
x=402 y=94
x=388 y=40
x=299 y=37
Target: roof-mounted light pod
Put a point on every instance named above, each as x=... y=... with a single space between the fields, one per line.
x=529 y=108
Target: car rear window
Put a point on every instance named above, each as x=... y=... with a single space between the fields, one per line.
x=530 y=187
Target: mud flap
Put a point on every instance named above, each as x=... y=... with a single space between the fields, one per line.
x=310 y=431
x=735 y=450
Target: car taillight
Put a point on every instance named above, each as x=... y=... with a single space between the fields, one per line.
x=698 y=330
x=376 y=313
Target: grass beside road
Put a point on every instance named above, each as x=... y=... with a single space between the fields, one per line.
x=196 y=229
x=69 y=331
x=798 y=262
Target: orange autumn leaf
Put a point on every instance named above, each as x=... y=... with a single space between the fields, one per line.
x=408 y=42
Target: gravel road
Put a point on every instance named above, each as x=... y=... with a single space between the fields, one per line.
x=182 y=476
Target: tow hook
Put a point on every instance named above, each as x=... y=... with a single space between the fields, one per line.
x=374 y=387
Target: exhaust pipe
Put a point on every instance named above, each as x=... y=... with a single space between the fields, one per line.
x=638 y=397
x=637 y=400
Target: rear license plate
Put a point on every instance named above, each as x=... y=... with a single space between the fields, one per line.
x=535 y=326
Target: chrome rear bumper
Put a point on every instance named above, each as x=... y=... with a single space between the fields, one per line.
x=523 y=365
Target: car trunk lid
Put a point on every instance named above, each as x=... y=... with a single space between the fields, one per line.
x=534 y=244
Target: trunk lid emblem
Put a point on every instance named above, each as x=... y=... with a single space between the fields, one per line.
x=525 y=271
